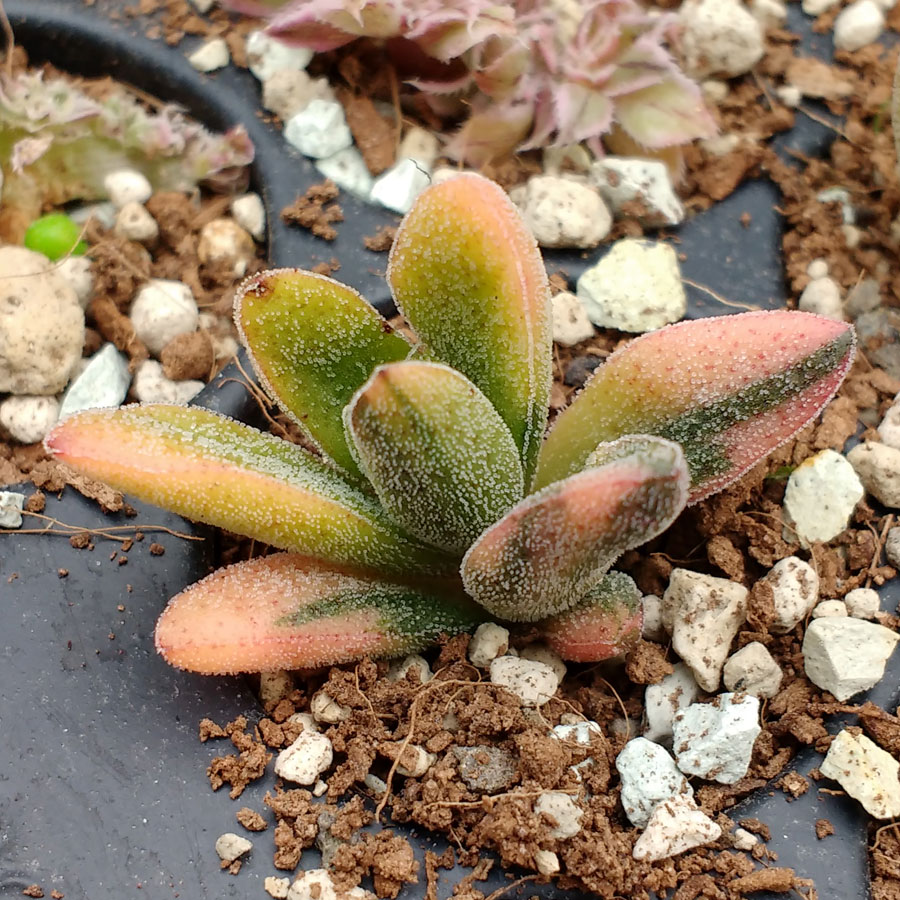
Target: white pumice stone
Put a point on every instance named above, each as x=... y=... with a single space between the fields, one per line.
x=653 y=628
x=274 y=686
x=277 y=887
x=563 y=810
x=844 y=655
x=817 y=268
x=134 y=223
x=127 y=186
x=546 y=862
x=151 y=385
x=397 y=188
x=889 y=428
x=866 y=772
x=719 y=36
x=714 y=91
x=571 y=324
x=622 y=180
x=817 y=7
x=320 y=788
x=489 y=641
x=162 y=310
x=823 y=297
x=675 y=826
x=230 y=846
x=28 y=419
x=43 y=324
x=11 y=507
x=375 y=784
x=104 y=381
x=715 y=740
x=266 y=55
x=563 y=212
x=305 y=720
x=306 y=759
x=223 y=240
x=250 y=214
x=703 y=614
x=325 y=709
x=892 y=546
x=858 y=24
x=662 y=700
x=210 y=56
x=421 y=145
x=752 y=670
x=769 y=13
x=580 y=732
x=413 y=662
x=544 y=654
x=534 y=683
x=795 y=589
x=203 y=6
x=878 y=468
x=313 y=884
x=862 y=603
x=76 y=270
x=744 y=840
x=415 y=761
x=829 y=609
x=289 y=91
x=348 y=170
x=649 y=777
x=635 y=287
x=821 y=494
x=319 y=130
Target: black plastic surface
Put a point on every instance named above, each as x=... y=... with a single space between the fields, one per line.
x=102 y=782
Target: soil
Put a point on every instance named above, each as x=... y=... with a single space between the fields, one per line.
x=738 y=533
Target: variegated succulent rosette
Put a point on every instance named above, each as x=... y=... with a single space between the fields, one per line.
x=436 y=500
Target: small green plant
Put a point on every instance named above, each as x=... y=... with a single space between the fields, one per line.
x=58 y=144
x=436 y=499
x=55 y=235
x=530 y=73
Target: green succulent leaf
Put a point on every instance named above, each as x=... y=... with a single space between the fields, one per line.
x=312 y=342
x=467 y=274
x=440 y=458
x=288 y=611
x=544 y=556
x=212 y=469
x=729 y=390
x=604 y=625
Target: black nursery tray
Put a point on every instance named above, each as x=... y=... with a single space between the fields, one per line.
x=103 y=791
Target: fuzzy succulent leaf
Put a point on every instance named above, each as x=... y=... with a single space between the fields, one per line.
x=312 y=342
x=212 y=469
x=58 y=144
x=729 y=390
x=288 y=611
x=544 y=556
x=604 y=625
x=467 y=274
x=442 y=461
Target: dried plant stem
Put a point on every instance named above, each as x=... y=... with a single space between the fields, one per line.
x=67 y=530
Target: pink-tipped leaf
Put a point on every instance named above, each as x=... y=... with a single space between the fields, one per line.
x=729 y=390
x=544 y=556
x=440 y=458
x=467 y=274
x=606 y=624
x=212 y=469
x=312 y=342
x=288 y=612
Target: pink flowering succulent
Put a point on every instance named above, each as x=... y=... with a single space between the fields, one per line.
x=435 y=499
x=58 y=144
x=534 y=73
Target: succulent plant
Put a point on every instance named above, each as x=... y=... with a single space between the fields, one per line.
x=435 y=499
x=57 y=144
x=533 y=73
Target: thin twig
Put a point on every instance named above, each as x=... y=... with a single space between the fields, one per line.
x=719 y=297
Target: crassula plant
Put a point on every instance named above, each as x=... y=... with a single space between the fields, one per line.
x=530 y=73
x=435 y=499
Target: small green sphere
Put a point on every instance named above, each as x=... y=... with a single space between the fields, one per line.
x=54 y=235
